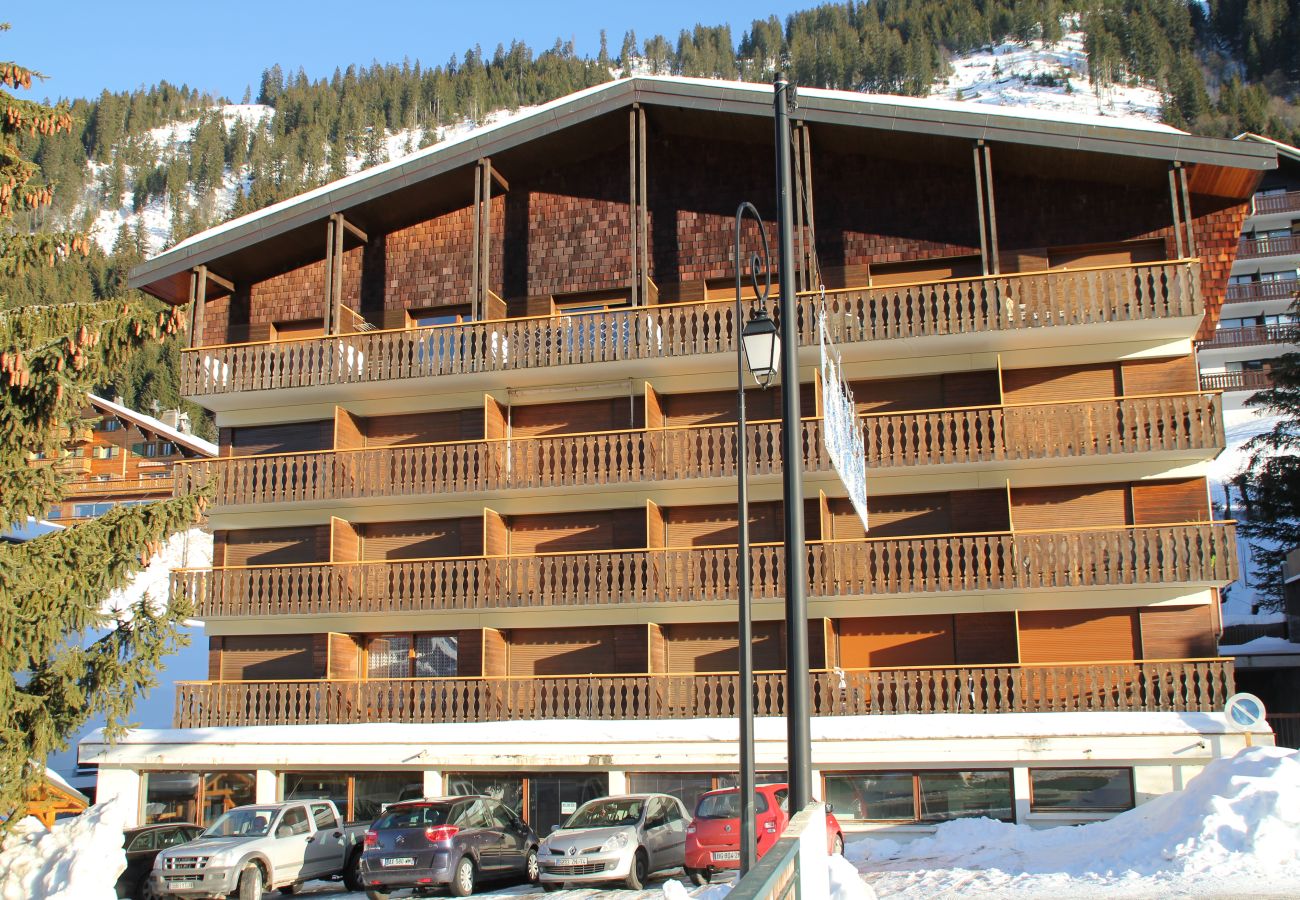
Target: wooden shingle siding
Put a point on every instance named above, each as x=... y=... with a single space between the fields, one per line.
x=984 y=639
x=1071 y=635
x=889 y=641
x=1161 y=502
x=1160 y=376
x=1056 y=383
x=276 y=546
x=1069 y=506
x=1180 y=632
x=712 y=647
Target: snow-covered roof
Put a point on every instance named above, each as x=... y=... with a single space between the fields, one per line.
x=1286 y=150
x=150 y=424
x=1261 y=646
x=29 y=530
x=924 y=116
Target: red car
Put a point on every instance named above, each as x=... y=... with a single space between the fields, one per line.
x=713 y=839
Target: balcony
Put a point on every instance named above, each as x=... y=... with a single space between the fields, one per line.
x=116 y=486
x=1250 y=336
x=1272 y=246
x=1192 y=685
x=1200 y=553
x=994 y=304
x=1256 y=291
x=1145 y=424
x=1254 y=380
x=1268 y=204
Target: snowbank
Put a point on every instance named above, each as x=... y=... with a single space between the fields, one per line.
x=1234 y=829
x=1260 y=646
x=77 y=859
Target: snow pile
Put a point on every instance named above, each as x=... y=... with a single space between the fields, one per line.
x=187 y=549
x=77 y=859
x=675 y=890
x=1045 y=76
x=1235 y=829
x=1260 y=646
x=845 y=882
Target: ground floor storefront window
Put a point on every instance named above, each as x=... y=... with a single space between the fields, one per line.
x=938 y=796
x=360 y=797
x=543 y=801
x=688 y=786
x=1080 y=790
x=198 y=797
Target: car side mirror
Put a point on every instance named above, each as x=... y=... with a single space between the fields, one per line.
x=830 y=807
x=554 y=828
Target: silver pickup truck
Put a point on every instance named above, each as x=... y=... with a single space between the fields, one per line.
x=253 y=849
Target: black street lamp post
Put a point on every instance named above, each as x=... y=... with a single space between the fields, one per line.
x=759 y=349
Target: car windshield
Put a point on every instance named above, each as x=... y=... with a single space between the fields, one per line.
x=248 y=821
x=606 y=813
x=421 y=816
x=727 y=806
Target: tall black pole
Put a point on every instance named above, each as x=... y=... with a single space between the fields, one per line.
x=798 y=735
x=745 y=637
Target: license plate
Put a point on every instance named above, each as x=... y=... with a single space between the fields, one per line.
x=575 y=861
x=180 y=885
x=727 y=856
x=399 y=861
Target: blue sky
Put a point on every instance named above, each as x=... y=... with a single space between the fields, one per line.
x=86 y=46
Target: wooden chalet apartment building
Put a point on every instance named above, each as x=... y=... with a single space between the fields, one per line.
x=477 y=469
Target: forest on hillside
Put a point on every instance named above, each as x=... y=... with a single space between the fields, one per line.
x=1223 y=67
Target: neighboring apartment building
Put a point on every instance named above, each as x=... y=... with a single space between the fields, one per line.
x=120 y=458
x=475 y=511
x=1258 y=322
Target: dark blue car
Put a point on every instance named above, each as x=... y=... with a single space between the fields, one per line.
x=451 y=841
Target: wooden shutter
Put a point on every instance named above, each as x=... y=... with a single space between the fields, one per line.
x=267 y=657
x=299 y=328
x=277 y=546
x=1055 y=383
x=712 y=647
x=924 y=270
x=607 y=529
x=1118 y=254
x=972 y=511
x=426 y=539
x=971 y=388
x=1182 y=632
x=890 y=641
x=425 y=428
x=1163 y=502
x=1160 y=376
x=898 y=394
x=1077 y=635
x=563 y=651
x=582 y=417
x=344 y=657
x=896 y=516
x=292 y=438
x=985 y=639
x=1069 y=506
x=715 y=525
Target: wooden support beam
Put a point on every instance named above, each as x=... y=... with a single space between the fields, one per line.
x=328 y=306
x=810 y=212
x=977 y=149
x=500 y=180
x=802 y=276
x=199 y=281
x=475 y=309
x=354 y=230
x=194 y=308
x=1174 y=204
x=634 y=220
x=643 y=219
x=336 y=280
x=1187 y=210
x=984 y=155
x=222 y=282
x=485 y=247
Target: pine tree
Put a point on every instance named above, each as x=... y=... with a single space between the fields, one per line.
x=55 y=671
x=1270 y=481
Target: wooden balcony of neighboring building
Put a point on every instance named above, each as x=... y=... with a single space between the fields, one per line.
x=1193 y=554
x=1257 y=291
x=1180 y=685
x=1258 y=248
x=120 y=486
x=1251 y=380
x=1012 y=303
x=1269 y=204
x=1077 y=428
x=1250 y=336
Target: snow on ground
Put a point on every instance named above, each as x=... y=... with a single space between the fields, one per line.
x=1234 y=831
x=1044 y=76
x=78 y=859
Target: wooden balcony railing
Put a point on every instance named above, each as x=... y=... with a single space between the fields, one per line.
x=1253 y=380
x=1200 y=553
x=1262 y=290
x=1257 y=248
x=1193 y=685
x=1266 y=204
x=1250 y=336
x=996 y=303
x=120 y=486
x=1151 y=423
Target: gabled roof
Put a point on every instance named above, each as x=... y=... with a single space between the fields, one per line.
x=291 y=226
x=1282 y=149
x=187 y=442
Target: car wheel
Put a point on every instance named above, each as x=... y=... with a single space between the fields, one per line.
x=250 y=883
x=698 y=876
x=532 y=871
x=376 y=895
x=352 y=872
x=552 y=886
x=838 y=846
x=147 y=891
x=635 y=880
x=288 y=890
x=462 y=881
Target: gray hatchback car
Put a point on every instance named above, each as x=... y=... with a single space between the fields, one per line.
x=616 y=839
x=451 y=841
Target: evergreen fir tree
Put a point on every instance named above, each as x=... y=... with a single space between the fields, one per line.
x=55 y=672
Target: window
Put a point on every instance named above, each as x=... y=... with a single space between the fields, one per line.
x=109 y=424
x=1080 y=790
x=294 y=821
x=316 y=786
x=199 y=797
x=920 y=796
x=688 y=786
x=106 y=452
x=358 y=798
x=542 y=800
x=323 y=816
x=507 y=789
x=151 y=449
x=439 y=315
x=89 y=510
x=1284 y=275
x=145 y=840
x=411 y=655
